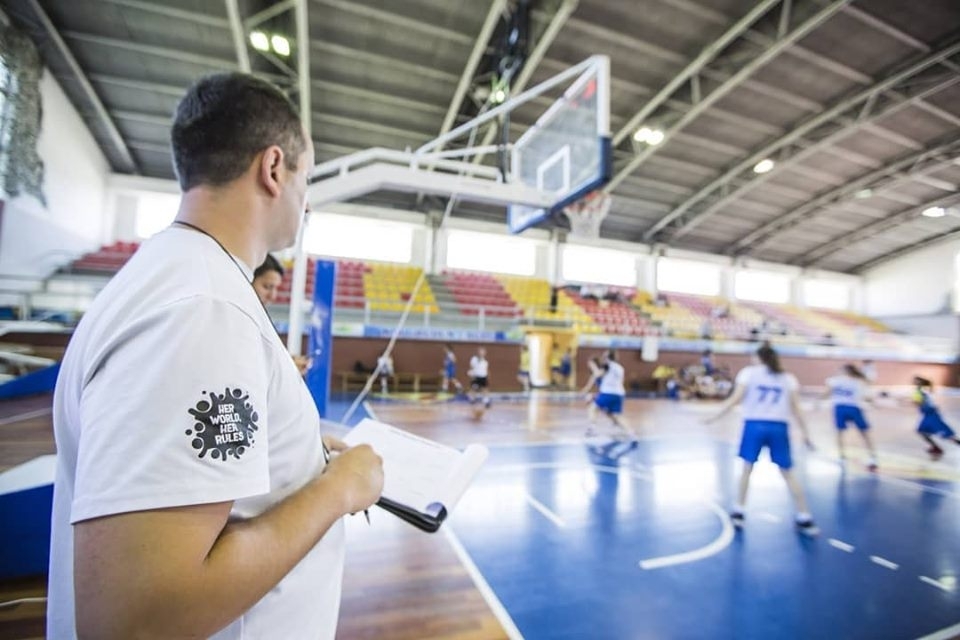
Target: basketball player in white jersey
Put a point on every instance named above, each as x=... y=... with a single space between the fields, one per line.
x=848 y=392
x=479 y=383
x=769 y=398
x=610 y=394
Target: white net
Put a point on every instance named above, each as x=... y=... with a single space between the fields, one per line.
x=587 y=214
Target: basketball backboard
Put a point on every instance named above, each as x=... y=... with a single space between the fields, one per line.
x=567 y=153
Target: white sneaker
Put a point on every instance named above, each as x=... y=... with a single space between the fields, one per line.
x=807 y=528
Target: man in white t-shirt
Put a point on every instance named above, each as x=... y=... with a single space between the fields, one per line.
x=193 y=497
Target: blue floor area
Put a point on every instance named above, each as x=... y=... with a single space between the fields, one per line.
x=339 y=404
x=559 y=533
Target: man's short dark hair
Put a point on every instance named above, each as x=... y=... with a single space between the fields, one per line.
x=269 y=264
x=224 y=121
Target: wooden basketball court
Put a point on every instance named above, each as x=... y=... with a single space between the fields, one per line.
x=488 y=574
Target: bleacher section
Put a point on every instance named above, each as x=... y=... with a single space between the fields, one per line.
x=532 y=295
x=385 y=288
x=474 y=292
x=389 y=287
x=614 y=316
x=106 y=260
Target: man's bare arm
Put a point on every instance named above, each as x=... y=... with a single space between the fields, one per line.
x=187 y=572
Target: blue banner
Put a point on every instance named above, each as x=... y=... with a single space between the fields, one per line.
x=319 y=331
x=40 y=381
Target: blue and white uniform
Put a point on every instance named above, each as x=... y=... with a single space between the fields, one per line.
x=847 y=394
x=449 y=365
x=930 y=420
x=766 y=413
x=610 y=398
x=566 y=365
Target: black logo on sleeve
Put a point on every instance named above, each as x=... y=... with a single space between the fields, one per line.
x=226 y=424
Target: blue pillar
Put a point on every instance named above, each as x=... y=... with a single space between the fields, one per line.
x=321 y=336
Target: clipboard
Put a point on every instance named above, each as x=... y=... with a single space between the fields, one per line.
x=423 y=479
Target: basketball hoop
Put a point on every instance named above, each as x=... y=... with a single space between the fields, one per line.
x=587 y=214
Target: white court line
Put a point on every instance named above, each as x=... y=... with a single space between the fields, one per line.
x=883 y=562
x=885 y=478
x=549 y=515
x=499 y=611
x=26 y=416
x=950 y=633
x=936 y=583
x=769 y=517
x=370 y=412
x=840 y=544
x=715 y=547
x=916 y=485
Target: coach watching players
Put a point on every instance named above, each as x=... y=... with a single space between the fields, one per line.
x=192 y=498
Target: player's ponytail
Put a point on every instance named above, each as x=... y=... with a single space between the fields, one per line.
x=853 y=371
x=770 y=358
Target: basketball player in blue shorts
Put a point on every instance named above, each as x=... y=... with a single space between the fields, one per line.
x=931 y=423
x=769 y=397
x=610 y=394
x=449 y=371
x=848 y=392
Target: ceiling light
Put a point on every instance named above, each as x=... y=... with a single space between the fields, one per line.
x=763 y=166
x=653 y=137
x=498 y=96
x=259 y=41
x=281 y=46
x=863 y=193
x=934 y=212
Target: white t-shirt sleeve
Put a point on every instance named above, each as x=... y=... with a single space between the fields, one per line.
x=743 y=376
x=175 y=413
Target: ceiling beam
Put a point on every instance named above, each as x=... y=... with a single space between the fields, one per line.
x=612 y=36
x=150 y=50
x=239 y=38
x=373 y=127
x=895 y=32
x=473 y=60
x=413 y=24
x=679 y=79
x=144 y=118
x=302 y=20
x=843 y=153
x=368 y=95
x=376 y=60
x=892 y=136
x=743 y=169
x=139 y=85
x=161 y=9
x=817 y=254
x=896 y=172
x=556 y=23
x=269 y=13
x=150 y=147
x=113 y=134
x=801 y=30
x=936 y=238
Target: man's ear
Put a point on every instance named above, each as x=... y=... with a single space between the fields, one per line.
x=271 y=165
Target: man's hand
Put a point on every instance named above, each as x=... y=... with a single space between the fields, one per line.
x=303 y=363
x=359 y=470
